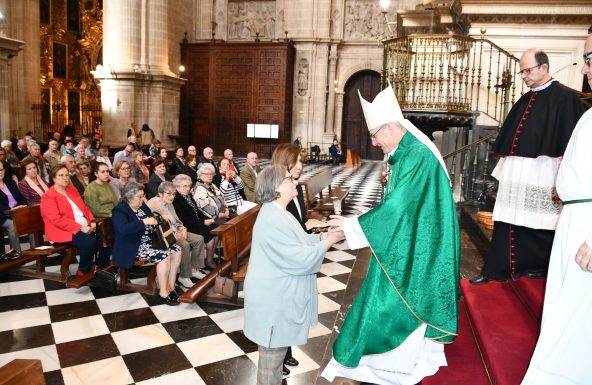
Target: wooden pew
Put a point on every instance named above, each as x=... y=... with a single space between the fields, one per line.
x=235 y=237
x=313 y=192
x=28 y=220
x=22 y=372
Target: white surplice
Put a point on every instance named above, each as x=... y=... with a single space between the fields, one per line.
x=562 y=354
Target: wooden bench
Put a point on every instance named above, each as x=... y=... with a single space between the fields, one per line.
x=313 y=192
x=235 y=237
x=22 y=372
x=27 y=220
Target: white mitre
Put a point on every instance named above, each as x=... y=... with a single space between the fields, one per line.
x=385 y=109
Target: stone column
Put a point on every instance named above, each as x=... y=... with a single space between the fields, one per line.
x=137 y=84
x=329 y=128
x=339 y=114
x=22 y=24
x=8 y=49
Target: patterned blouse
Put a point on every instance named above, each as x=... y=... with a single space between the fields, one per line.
x=209 y=198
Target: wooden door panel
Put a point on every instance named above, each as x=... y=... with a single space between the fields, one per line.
x=354 y=130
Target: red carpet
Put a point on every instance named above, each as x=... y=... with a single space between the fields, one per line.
x=532 y=292
x=464 y=362
x=507 y=333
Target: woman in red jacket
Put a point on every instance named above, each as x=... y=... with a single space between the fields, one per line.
x=68 y=221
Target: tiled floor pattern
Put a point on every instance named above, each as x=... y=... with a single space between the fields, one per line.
x=83 y=336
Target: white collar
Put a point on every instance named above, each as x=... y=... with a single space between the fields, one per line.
x=540 y=88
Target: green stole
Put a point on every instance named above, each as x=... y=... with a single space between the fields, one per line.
x=413 y=275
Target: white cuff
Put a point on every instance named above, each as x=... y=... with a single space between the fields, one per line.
x=354 y=234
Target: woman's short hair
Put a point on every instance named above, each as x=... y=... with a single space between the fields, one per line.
x=119 y=165
x=27 y=161
x=130 y=189
x=222 y=160
x=6 y=143
x=158 y=162
x=286 y=154
x=82 y=162
x=166 y=187
x=268 y=181
x=180 y=179
x=103 y=151
x=204 y=167
x=54 y=171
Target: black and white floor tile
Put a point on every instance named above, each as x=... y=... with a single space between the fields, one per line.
x=83 y=336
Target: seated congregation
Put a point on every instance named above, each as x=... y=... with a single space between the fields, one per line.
x=108 y=210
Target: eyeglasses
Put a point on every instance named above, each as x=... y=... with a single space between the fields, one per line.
x=207 y=173
x=124 y=169
x=527 y=71
x=373 y=136
x=587 y=58
x=171 y=193
x=139 y=196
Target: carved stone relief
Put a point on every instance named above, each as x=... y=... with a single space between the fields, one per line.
x=302 y=77
x=363 y=20
x=247 y=18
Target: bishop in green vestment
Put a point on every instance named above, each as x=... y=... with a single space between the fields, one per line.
x=407 y=306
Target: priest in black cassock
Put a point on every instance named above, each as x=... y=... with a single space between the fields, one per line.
x=530 y=145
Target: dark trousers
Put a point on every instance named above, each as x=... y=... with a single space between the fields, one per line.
x=87 y=245
x=516 y=250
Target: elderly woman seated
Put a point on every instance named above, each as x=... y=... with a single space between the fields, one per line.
x=193 y=218
x=99 y=196
x=192 y=245
x=69 y=221
x=281 y=282
x=32 y=187
x=133 y=225
x=208 y=196
x=158 y=176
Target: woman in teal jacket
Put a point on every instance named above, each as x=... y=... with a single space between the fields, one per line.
x=281 y=284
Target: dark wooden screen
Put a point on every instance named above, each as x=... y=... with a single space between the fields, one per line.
x=230 y=85
x=354 y=130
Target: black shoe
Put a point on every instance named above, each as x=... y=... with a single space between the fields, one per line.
x=536 y=274
x=480 y=280
x=178 y=291
x=285 y=371
x=168 y=300
x=291 y=361
x=173 y=294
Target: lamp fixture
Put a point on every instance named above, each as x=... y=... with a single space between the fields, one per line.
x=384 y=6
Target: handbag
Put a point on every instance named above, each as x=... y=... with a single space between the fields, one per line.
x=163 y=235
x=224 y=286
x=106 y=280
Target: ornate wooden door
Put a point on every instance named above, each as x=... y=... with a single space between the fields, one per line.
x=354 y=131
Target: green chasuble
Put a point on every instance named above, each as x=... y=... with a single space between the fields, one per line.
x=413 y=273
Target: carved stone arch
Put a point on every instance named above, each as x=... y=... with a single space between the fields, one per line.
x=348 y=72
x=354 y=133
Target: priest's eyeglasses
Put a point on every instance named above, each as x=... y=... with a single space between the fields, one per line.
x=527 y=71
x=373 y=136
x=587 y=58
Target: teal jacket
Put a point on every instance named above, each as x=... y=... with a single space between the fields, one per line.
x=281 y=298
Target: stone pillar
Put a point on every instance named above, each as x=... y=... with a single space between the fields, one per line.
x=329 y=127
x=8 y=49
x=22 y=24
x=137 y=84
x=339 y=114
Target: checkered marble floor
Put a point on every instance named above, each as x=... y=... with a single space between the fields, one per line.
x=83 y=336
